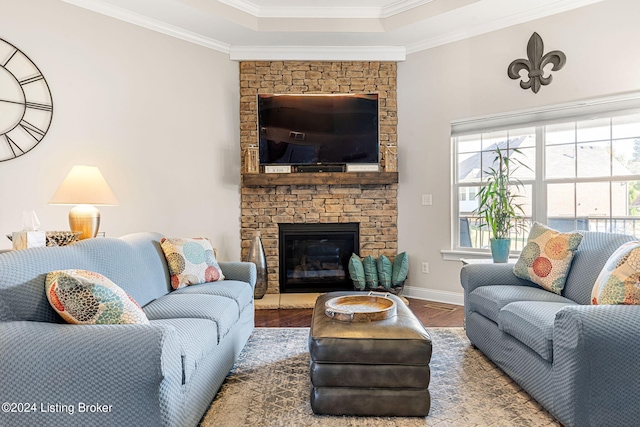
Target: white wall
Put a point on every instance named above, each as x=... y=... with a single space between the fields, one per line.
x=469 y=79
x=157 y=115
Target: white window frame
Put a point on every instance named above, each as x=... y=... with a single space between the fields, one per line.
x=538 y=118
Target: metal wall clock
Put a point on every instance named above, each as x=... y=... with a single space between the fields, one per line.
x=26 y=106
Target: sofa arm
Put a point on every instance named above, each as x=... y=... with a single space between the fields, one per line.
x=473 y=276
x=53 y=373
x=242 y=271
x=596 y=374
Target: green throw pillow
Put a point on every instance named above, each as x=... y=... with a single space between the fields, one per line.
x=370 y=271
x=400 y=269
x=385 y=269
x=356 y=271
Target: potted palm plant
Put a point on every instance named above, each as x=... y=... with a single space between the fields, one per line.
x=498 y=206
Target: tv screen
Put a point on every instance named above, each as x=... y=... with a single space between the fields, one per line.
x=318 y=129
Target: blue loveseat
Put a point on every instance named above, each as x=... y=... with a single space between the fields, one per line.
x=577 y=360
x=162 y=374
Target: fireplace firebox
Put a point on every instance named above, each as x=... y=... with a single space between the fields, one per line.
x=315 y=257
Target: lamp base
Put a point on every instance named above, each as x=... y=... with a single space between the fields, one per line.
x=86 y=219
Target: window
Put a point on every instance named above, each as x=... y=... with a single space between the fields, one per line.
x=580 y=172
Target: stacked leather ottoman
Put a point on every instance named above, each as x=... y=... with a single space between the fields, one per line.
x=378 y=368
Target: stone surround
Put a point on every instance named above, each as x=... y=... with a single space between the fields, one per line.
x=375 y=207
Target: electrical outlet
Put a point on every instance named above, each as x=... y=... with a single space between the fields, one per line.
x=426 y=200
x=425 y=267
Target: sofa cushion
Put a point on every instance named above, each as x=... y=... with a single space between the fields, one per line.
x=385 y=270
x=531 y=323
x=619 y=280
x=87 y=298
x=196 y=337
x=356 y=272
x=223 y=311
x=489 y=300
x=240 y=292
x=589 y=260
x=191 y=261
x=546 y=258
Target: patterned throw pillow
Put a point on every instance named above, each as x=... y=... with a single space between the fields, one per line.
x=546 y=258
x=619 y=280
x=400 y=269
x=385 y=271
x=370 y=271
x=356 y=271
x=87 y=298
x=191 y=261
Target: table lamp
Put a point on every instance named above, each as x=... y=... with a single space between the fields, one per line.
x=84 y=187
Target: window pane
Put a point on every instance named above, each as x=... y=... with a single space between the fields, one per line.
x=626 y=126
x=524 y=200
x=492 y=139
x=469 y=167
x=594 y=130
x=626 y=157
x=625 y=207
x=560 y=201
x=526 y=170
x=592 y=199
x=469 y=143
x=560 y=161
x=489 y=161
x=594 y=159
x=519 y=138
x=560 y=134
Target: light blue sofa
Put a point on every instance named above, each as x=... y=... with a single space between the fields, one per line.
x=162 y=374
x=577 y=360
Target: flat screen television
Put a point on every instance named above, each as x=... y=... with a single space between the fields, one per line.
x=318 y=129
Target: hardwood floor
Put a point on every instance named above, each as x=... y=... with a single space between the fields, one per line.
x=431 y=314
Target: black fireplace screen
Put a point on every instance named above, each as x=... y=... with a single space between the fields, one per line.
x=315 y=257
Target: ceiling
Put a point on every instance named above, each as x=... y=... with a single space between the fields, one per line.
x=326 y=29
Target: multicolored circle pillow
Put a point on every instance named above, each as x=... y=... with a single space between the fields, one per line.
x=546 y=258
x=191 y=261
x=619 y=280
x=87 y=298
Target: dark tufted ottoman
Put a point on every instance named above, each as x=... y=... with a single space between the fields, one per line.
x=378 y=368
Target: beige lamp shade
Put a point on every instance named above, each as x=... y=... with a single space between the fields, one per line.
x=84 y=186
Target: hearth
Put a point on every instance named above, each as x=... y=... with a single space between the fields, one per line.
x=315 y=257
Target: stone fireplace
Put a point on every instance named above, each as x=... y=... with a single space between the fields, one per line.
x=368 y=200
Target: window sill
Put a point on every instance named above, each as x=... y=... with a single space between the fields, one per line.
x=459 y=255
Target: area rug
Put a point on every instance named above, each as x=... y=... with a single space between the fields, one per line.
x=269 y=386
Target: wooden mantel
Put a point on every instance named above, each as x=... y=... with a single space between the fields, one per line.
x=318 y=178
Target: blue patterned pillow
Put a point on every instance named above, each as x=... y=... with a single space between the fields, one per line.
x=385 y=271
x=191 y=261
x=400 y=269
x=370 y=271
x=87 y=298
x=356 y=271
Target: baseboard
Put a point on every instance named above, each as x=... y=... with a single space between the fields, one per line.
x=455 y=298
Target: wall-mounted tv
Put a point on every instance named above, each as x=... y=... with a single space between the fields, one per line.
x=318 y=129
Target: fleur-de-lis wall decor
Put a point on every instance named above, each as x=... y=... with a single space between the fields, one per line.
x=535 y=64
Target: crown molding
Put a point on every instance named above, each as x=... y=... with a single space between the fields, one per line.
x=382 y=53
x=497 y=24
x=317 y=53
x=243 y=6
x=320 y=12
x=149 y=23
x=401 y=7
